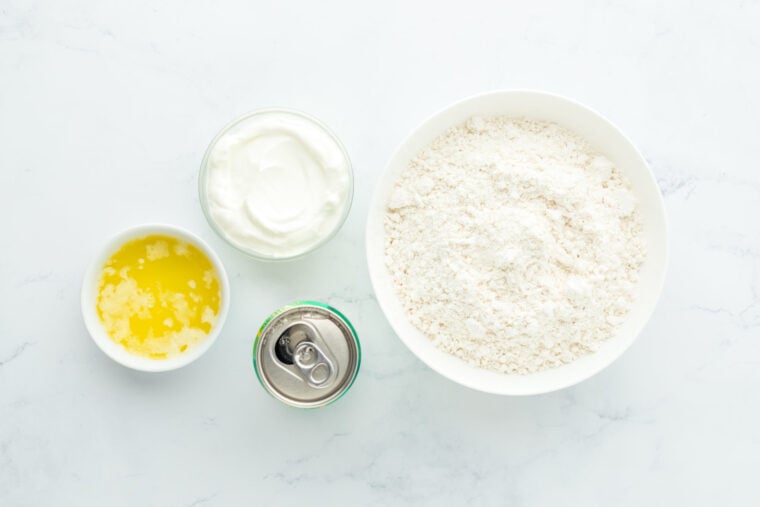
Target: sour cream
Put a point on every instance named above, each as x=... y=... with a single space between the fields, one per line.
x=276 y=184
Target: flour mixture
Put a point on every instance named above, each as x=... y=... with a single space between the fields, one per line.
x=513 y=244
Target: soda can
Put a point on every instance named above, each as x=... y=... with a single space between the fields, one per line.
x=306 y=354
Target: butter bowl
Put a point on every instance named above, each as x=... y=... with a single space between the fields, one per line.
x=90 y=299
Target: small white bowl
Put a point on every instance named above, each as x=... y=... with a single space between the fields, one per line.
x=606 y=138
x=90 y=295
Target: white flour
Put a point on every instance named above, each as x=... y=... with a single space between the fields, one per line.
x=513 y=245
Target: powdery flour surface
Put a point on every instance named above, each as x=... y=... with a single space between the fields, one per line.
x=513 y=245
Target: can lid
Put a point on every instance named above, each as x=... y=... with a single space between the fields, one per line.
x=306 y=354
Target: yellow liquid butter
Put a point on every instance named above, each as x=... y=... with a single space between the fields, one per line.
x=158 y=296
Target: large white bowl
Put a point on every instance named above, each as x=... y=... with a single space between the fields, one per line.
x=606 y=138
x=90 y=295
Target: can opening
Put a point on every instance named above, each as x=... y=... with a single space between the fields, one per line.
x=283 y=350
x=286 y=345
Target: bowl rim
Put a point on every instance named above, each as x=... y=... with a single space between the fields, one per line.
x=88 y=298
x=203 y=176
x=374 y=207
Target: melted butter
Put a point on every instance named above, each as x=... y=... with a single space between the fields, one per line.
x=158 y=296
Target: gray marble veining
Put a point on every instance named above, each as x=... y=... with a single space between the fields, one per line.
x=105 y=112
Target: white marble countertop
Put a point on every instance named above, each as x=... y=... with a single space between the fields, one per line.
x=105 y=113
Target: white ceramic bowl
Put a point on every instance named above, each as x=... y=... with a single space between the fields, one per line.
x=90 y=294
x=606 y=138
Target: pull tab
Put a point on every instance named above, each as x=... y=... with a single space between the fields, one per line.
x=316 y=368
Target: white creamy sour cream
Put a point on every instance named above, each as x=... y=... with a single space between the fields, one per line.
x=277 y=183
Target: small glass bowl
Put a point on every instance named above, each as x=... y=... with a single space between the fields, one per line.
x=203 y=177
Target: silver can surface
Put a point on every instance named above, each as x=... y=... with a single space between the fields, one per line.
x=306 y=354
